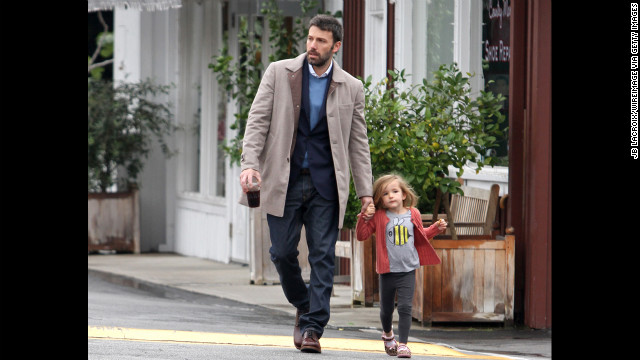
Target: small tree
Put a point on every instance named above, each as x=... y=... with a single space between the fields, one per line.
x=420 y=131
x=123 y=121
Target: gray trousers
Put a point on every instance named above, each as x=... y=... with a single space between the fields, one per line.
x=404 y=284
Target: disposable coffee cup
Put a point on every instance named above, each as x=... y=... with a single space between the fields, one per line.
x=253 y=195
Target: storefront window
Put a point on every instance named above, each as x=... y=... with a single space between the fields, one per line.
x=496 y=53
x=204 y=107
x=440 y=22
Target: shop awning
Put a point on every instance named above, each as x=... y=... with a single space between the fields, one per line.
x=148 y=5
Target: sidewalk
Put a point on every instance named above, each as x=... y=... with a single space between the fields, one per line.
x=229 y=281
x=232 y=281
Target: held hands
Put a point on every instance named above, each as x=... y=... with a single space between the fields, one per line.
x=371 y=209
x=368 y=209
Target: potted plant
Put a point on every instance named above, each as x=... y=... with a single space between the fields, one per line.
x=123 y=122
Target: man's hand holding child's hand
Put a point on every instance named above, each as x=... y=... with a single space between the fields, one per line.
x=368 y=215
x=371 y=209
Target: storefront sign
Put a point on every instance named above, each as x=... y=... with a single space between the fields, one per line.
x=496 y=37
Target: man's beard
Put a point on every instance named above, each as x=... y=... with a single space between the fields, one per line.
x=321 y=60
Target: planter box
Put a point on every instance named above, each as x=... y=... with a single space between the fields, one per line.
x=474 y=282
x=114 y=221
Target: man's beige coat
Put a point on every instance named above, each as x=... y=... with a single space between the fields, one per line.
x=270 y=133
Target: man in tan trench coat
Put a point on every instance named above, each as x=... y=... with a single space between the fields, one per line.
x=305 y=133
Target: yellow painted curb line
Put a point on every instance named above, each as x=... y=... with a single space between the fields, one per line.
x=373 y=346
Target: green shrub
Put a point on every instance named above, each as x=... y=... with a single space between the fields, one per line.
x=122 y=124
x=418 y=131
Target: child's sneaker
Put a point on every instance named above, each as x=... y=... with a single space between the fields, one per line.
x=403 y=351
x=390 y=345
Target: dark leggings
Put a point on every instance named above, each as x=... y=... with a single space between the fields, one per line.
x=404 y=283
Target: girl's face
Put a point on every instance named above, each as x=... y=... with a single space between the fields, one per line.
x=393 y=197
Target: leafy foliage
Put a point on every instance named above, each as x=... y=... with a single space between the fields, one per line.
x=420 y=131
x=241 y=80
x=103 y=53
x=104 y=43
x=122 y=122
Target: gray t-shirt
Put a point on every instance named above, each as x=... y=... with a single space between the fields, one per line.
x=403 y=255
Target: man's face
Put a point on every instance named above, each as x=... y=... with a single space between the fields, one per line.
x=320 y=46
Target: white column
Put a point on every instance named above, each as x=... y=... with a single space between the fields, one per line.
x=410 y=40
x=467 y=38
x=127 y=40
x=375 y=39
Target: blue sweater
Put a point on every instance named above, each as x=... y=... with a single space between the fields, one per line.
x=317 y=89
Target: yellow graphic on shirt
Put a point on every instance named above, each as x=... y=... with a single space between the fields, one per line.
x=400 y=234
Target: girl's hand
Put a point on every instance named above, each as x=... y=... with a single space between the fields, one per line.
x=371 y=209
x=442 y=225
x=368 y=214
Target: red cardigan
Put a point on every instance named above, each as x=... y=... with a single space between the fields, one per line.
x=377 y=224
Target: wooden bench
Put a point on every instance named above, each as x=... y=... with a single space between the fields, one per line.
x=473 y=213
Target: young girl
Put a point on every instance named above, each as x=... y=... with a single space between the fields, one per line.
x=402 y=246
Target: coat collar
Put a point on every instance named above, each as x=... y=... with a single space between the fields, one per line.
x=296 y=64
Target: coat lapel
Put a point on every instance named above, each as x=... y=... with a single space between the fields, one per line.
x=336 y=78
x=295 y=83
x=331 y=107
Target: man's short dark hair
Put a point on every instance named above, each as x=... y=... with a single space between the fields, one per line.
x=328 y=23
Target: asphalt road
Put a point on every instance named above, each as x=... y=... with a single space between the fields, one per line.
x=161 y=323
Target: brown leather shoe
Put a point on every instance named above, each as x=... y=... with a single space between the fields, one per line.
x=310 y=342
x=297 y=335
